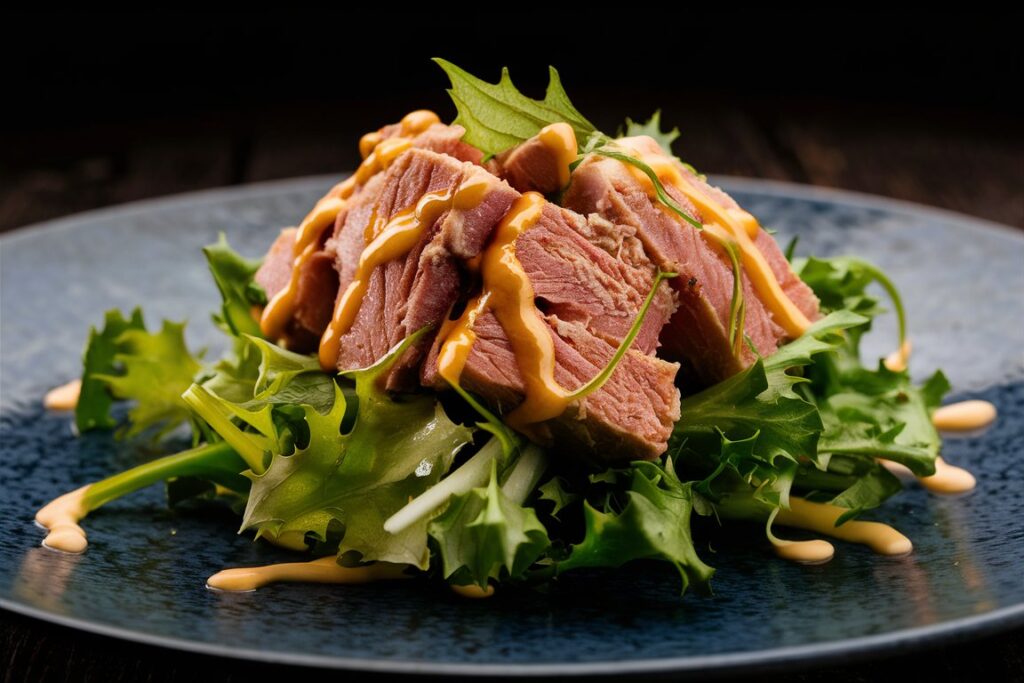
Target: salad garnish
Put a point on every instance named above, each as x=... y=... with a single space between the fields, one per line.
x=596 y=357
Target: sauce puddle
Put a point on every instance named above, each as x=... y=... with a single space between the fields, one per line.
x=821 y=518
x=60 y=517
x=964 y=416
x=64 y=397
x=324 y=570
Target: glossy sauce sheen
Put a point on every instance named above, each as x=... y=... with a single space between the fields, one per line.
x=821 y=517
x=948 y=479
x=459 y=339
x=60 y=517
x=507 y=292
x=386 y=243
x=378 y=155
x=964 y=416
x=898 y=359
x=805 y=552
x=324 y=570
x=560 y=140
x=64 y=397
x=742 y=228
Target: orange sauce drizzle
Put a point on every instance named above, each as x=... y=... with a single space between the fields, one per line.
x=898 y=359
x=964 y=416
x=459 y=339
x=740 y=225
x=368 y=142
x=385 y=243
x=821 y=517
x=815 y=551
x=377 y=155
x=324 y=570
x=560 y=140
x=948 y=479
x=507 y=292
x=64 y=397
x=473 y=592
x=60 y=517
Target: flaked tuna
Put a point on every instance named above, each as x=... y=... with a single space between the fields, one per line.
x=697 y=335
x=419 y=288
x=589 y=279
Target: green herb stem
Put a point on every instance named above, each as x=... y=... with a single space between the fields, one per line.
x=894 y=295
x=743 y=506
x=598 y=381
x=217 y=462
x=525 y=474
x=473 y=474
x=203 y=403
x=737 y=307
x=659 y=189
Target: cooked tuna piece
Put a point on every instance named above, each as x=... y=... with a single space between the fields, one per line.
x=576 y=276
x=317 y=286
x=276 y=270
x=589 y=300
x=313 y=303
x=531 y=166
x=630 y=417
x=697 y=335
x=440 y=138
x=420 y=286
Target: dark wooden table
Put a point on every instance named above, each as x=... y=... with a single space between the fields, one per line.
x=966 y=161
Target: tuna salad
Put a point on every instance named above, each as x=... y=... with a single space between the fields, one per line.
x=511 y=347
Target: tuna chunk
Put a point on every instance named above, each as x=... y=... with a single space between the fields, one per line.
x=697 y=335
x=317 y=286
x=630 y=417
x=576 y=277
x=531 y=166
x=440 y=138
x=418 y=290
x=318 y=281
x=589 y=297
x=590 y=276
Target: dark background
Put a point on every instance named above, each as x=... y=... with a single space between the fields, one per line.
x=102 y=109
x=99 y=109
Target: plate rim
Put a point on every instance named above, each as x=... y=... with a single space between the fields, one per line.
x=874 y=646
x=770 y=187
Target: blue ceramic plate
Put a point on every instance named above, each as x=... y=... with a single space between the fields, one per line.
x=143 y=576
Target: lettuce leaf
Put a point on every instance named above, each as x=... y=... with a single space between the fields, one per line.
x=866 y=414
x=485 y=535
x=126 y=362
x=754 y=421
x=497 y=116
x=881 y=414
x=654 y=523
x=555 y=491
x=234 y=276
x=358 y=479
x=98 y=359
x=652 y=129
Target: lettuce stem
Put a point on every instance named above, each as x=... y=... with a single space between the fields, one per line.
x=525 y=475
x=217 y=462
x=204 y=404
x=743 y=506
x=473 y=474
x=659 y=189
x=603 y=376
x=894 y=295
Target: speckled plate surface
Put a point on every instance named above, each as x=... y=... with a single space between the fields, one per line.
x=143 y=576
